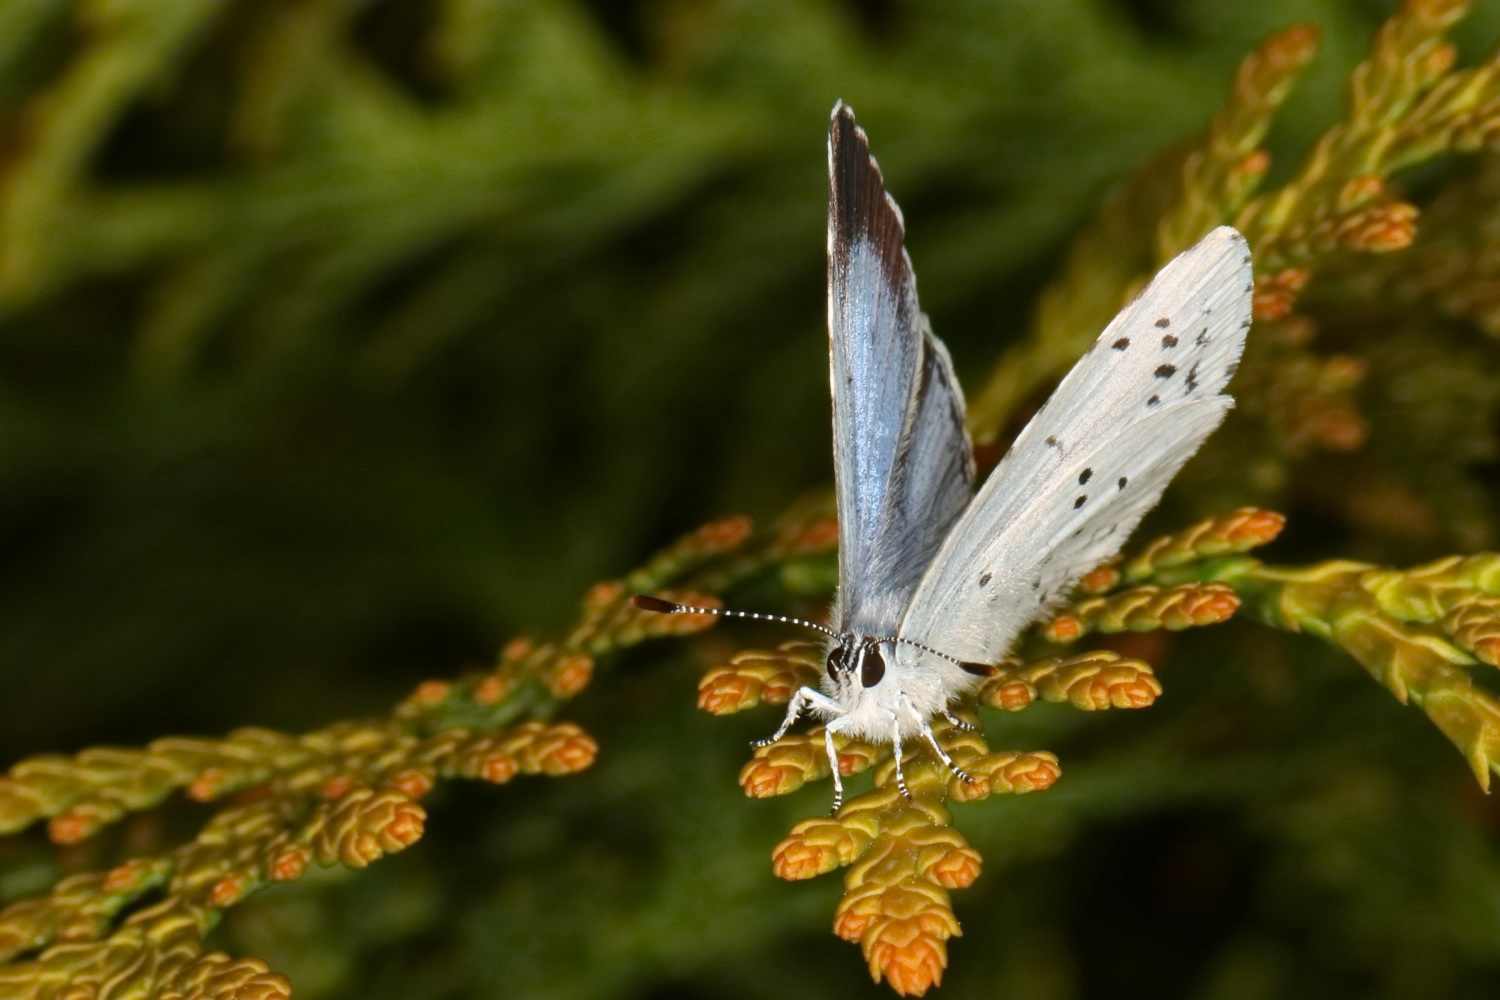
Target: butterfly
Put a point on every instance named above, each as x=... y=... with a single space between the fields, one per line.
x=936 y=581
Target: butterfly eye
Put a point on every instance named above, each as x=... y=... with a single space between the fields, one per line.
x=835 y=663
x=871 y=666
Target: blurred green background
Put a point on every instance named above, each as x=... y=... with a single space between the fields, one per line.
x=341 y=341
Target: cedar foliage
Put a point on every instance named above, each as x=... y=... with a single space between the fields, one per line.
x=341 y=340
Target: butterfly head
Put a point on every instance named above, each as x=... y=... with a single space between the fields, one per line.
x=856 y=660
x=856 y=664
x=860 y=662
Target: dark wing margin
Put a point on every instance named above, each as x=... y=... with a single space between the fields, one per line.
x=902 y=460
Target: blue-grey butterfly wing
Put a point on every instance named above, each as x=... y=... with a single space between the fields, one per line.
x=902 y=459
x=1095 y=458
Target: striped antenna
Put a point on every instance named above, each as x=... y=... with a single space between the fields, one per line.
x=648 y=603
x=977 y=669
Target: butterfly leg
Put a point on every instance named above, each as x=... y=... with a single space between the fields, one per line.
x=958 y=723
x=829 y=731
x=943 y=754
x=804 y=699
x=896 y=752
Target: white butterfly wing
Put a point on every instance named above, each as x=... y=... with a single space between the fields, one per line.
x=902 y=459
x=1094 y=459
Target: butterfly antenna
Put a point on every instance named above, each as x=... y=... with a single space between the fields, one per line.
x=648 y=603
x=977 y=669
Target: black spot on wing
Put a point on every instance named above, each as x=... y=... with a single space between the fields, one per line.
x=1053 y=442
x=1082 y=499
x=1163 y=323
x=1169 y=341
x=1084 y=476
x=1202 y=338
x=1121 y=483
x=1153 y=402
x=1192 y=377
x=984 y=579
x=1165 y=371
x=1121 y=344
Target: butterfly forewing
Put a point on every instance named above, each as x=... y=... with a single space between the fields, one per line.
x=1181 y=338
x=1012 y=561
x=1094 y=459
x=902 y=459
